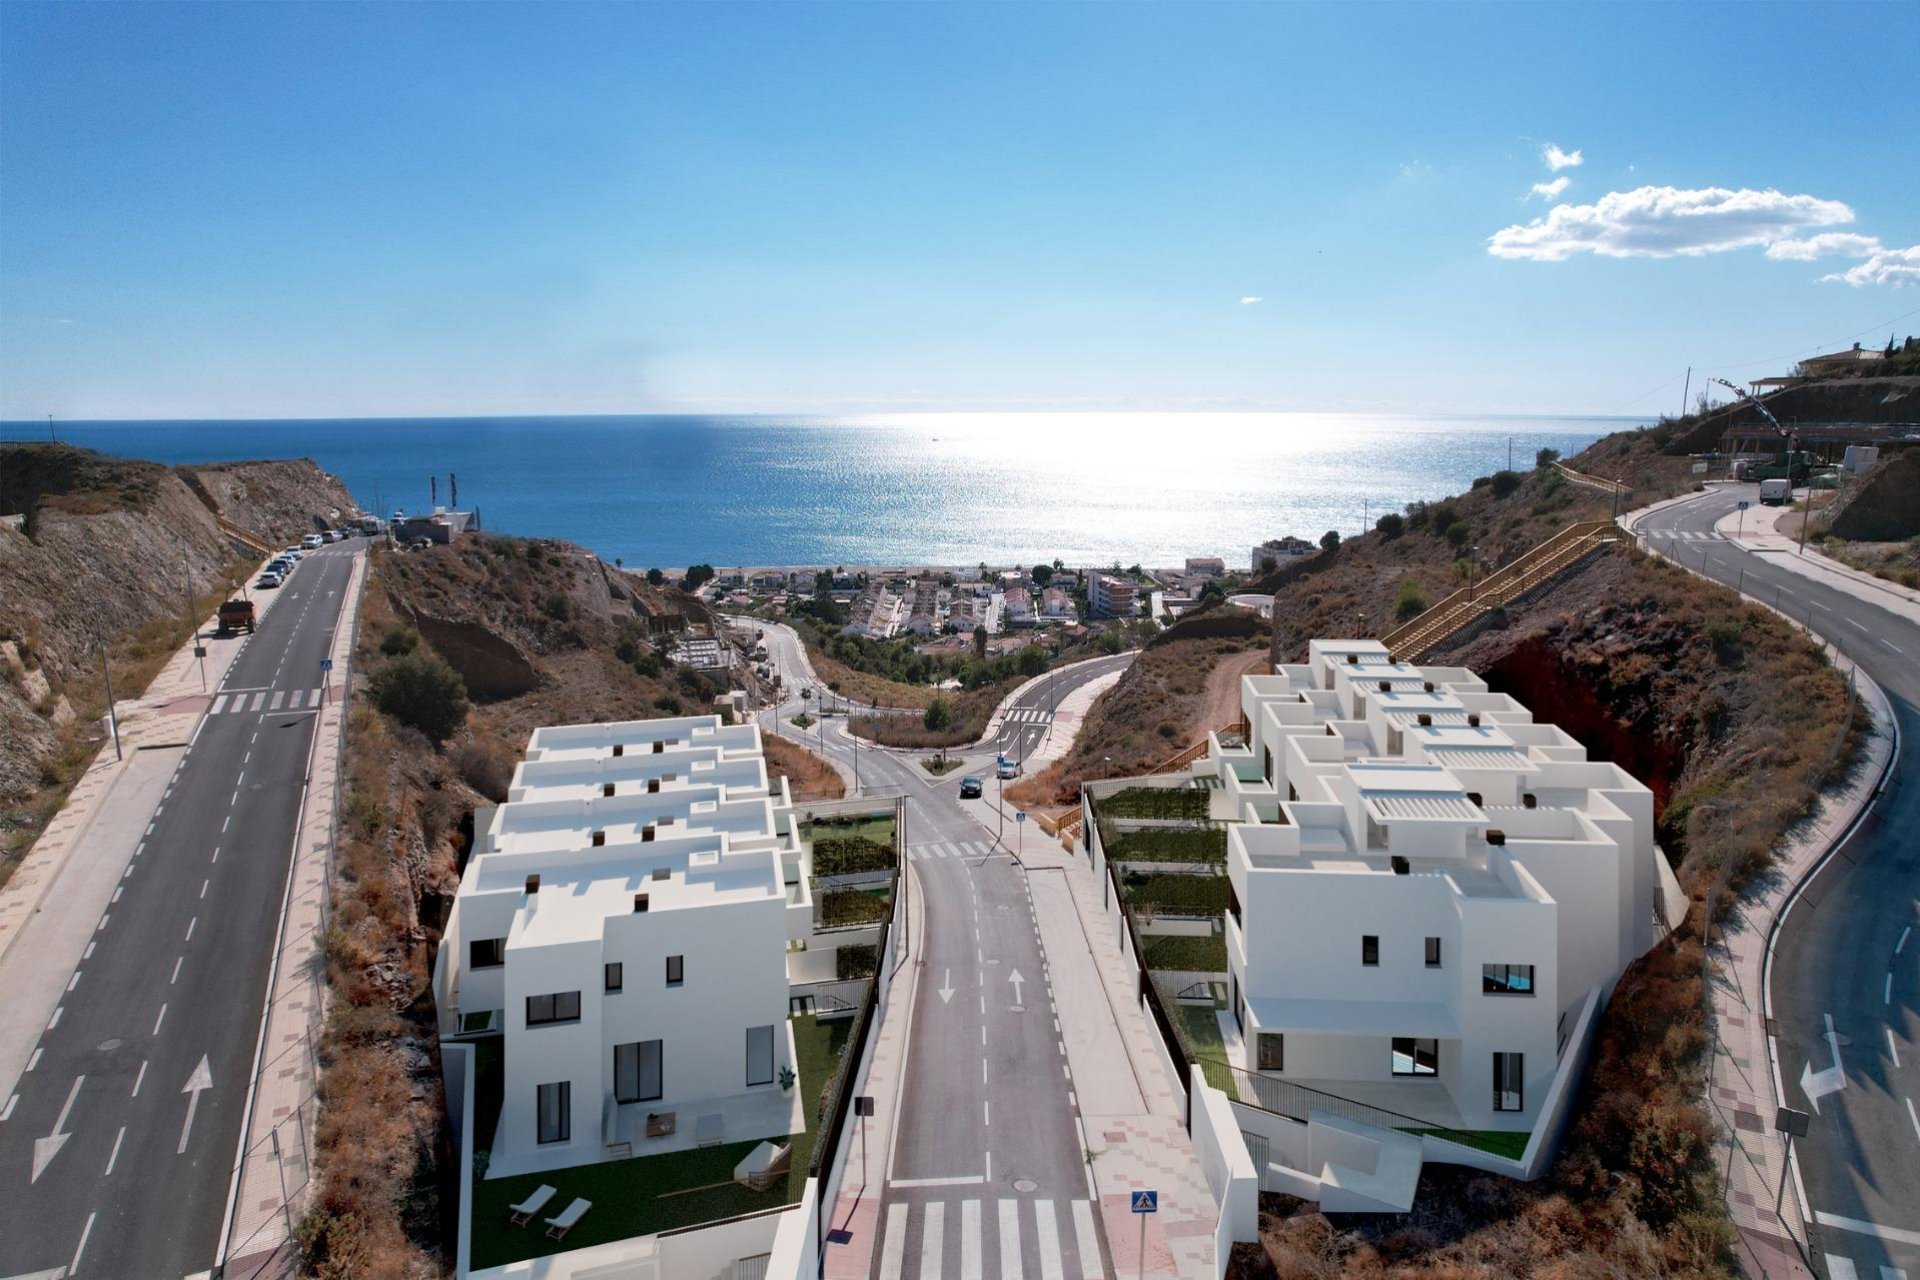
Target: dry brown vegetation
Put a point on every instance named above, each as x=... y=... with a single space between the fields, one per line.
x=810 y=776
x=381 y=1154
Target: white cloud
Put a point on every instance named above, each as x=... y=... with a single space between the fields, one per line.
x=1885 y=266
x=1827 y=244
x=1664 y=222
x=1251 y=299
x=1557 y=159
x=1549 y=190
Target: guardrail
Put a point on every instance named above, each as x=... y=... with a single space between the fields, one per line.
x=1557 y=554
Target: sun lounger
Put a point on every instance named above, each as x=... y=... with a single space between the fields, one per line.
x=524 y=1211
x=557 y=1228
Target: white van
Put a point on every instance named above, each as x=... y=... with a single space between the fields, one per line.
x=1776 y=493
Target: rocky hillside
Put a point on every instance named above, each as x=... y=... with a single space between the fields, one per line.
x=110 y=550
x=1881 y=506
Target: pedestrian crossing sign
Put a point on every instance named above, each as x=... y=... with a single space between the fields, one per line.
x=1146 y=1202
x=326 y=664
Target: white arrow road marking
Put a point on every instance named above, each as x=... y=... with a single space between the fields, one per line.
x=1016 y=980
x=200 y=1080
x=1818 y=1084
x=45 y=1149
x=946 y=987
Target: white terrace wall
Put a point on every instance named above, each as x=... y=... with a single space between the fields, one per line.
x=1230 y=1173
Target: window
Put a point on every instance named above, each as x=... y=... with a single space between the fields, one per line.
x=1239 y=1004
x=636 y=1071
x=1433 y=953
x=561 y=1006
x=1370 y=949
x=1509 y=1075
x=485 y=953
x=1414 y=1057
x=1506 y=979
x=616 y=976
x=759 y=1055
x=1233 y=905
x=676 y=970
x=1273 y=1051
x=555 y=1108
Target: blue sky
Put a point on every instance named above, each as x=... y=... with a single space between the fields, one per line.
x=287 y=209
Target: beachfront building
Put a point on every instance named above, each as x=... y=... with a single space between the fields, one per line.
x=1111 y=597
x=1428 y=889
x=623 y=926
x=1206 y=567
x=1275 y=552
x=1056 y=605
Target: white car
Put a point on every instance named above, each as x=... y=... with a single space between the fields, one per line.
x=311 y=542
x=269 y=579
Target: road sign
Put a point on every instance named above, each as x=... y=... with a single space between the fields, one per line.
x=862 y=1104
x=1743 y=504
x=1146 y=1202
x=326 y=664
x=1789 y=1121
x=199 y=651
x=1019 y=815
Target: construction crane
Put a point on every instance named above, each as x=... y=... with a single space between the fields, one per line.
x=1791 y=444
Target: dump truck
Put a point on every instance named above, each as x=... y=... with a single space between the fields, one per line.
x=236 y=615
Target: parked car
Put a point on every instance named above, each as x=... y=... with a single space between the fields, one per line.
x=969 y=788
x=291 y=553
x=269 y=579
x=1008 y=769
x=311 y=542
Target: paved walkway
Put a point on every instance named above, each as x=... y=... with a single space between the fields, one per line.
x=1067 y=719
x=275 y=1174
x=1744 y=1087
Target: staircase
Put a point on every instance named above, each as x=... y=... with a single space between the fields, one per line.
x=241 y=536
x=1553 y=557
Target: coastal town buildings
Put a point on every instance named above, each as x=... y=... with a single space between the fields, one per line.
x=1109 y=596
x=1275 y=552
x=1206 y=566
x=1427 y=887
x=623 y=927
x=1056 y=605
x=1017 y=607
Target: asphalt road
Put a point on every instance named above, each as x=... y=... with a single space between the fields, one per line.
x=986 y=1175
x=1849 y=951
x=118 y=1153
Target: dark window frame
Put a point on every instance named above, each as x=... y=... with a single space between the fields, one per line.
x=554 y=1010
x=1369 y=950
x=496 y=947
x=615 y=975
x=1277 y=1041
x=1499 y=980
x=638 y=1093
x=1518 y=1080
x=1413 y=1053
x=1433 y=953
x=676 y=970
x=563 y=1128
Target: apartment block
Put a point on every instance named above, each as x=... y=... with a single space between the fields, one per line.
x=1111 y=597
x=623 y=925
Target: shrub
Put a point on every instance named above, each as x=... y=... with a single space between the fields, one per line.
x=557 y=606
x=1442 y=518
x=1168 y=844
x=1194 y=955
x=1504 y=482
x=668 y=703
x=852 y=906
x=655 y=577
x=1411 y=602
x=1178 y=894
x=423 y=692
x=1330 y=540
x=485 y=768
x=856 y=962
x=1723 y=632
x=1458 y=533
x=1546 y=458
x=938 y=716
x=1032 y=660
x=399 y=640
x=850 y=855
x=1391 y=525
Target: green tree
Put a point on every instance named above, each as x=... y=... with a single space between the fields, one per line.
x=1042 y=574
x=399 y=640
x=1505 y=482
x=422 y=691
x=1546 y=457
x=980 y=642
x=1330 y=540
x=1458 y=533
x=1442 y=518
x=1391 y=525
x=938 y=716
x=698 y=574
x=1032 y=660
x=655 y=577
x=1411 y=602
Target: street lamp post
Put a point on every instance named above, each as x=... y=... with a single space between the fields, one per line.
x=1473 y=554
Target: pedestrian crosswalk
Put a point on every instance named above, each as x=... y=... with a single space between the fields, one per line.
x=933 y=849
x=1842 y=1268
x=1685 y=535
x=976 y=1239
x=1029 y=715
x=250 y=700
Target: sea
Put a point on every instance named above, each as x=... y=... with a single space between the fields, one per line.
x=937 y=489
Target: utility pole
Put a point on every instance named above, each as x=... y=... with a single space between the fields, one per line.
x=52 y=438
x=113 y=718
x=1509 y=453
x=1685 y=390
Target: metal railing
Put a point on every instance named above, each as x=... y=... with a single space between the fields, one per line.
x=1298 y=1102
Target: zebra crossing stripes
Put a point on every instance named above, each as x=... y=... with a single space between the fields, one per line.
x=279 y=700
x=1842 y=1268
x=958 y=849
x=1028 y=715
x=998 y=1240
x=1686 y=535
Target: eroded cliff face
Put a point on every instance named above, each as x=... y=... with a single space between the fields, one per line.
x=110 y=546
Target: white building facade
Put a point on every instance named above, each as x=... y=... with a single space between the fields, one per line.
x=1426 y=886
x=624 y=923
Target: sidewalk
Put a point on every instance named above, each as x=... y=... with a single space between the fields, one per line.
x=1067 y=719
x=1753 y=530
x=1745 y=1084
x=274 y=1176
x=1132 y=1114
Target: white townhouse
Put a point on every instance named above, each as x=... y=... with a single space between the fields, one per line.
x=623 y=923
x=1427 y=887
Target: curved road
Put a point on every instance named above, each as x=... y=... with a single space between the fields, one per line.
x=1850 y=949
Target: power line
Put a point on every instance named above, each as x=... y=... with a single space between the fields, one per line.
x=1810 y=350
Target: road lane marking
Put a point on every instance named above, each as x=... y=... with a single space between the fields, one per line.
x=894 y=1251
x=219 y=704
x=57 y=1011
x=7 y=1110
x=933 y=1221
x=74 y=981
x=1896 y=1234
x=1048 y=1230
x=1854 y=623
x=190 y=924
x=162 y=1018
x=103 y=923
x=137 y=1079
x=1010 y=1240
x=216 y=853
x=1902 y=944
x=34 y=1061
x=1085 y=1237
x=118 y=890
x=1891 y=645
x=176 y=970
x=970 y=1240
x=1886 y=995
x=1912 y=1116
x=1839 y=1268
x=964 y=1180
x=81 y=1248
x=203 y=887
x=45 y=1149
x=117 y=1139
x=1893 y=1048
x=199 y=1082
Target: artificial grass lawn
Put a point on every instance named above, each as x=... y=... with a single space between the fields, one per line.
x=626 y=1194
x=1493 y=1141
x=1179 y=951
x=1206 y=1046
x=879 y=827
